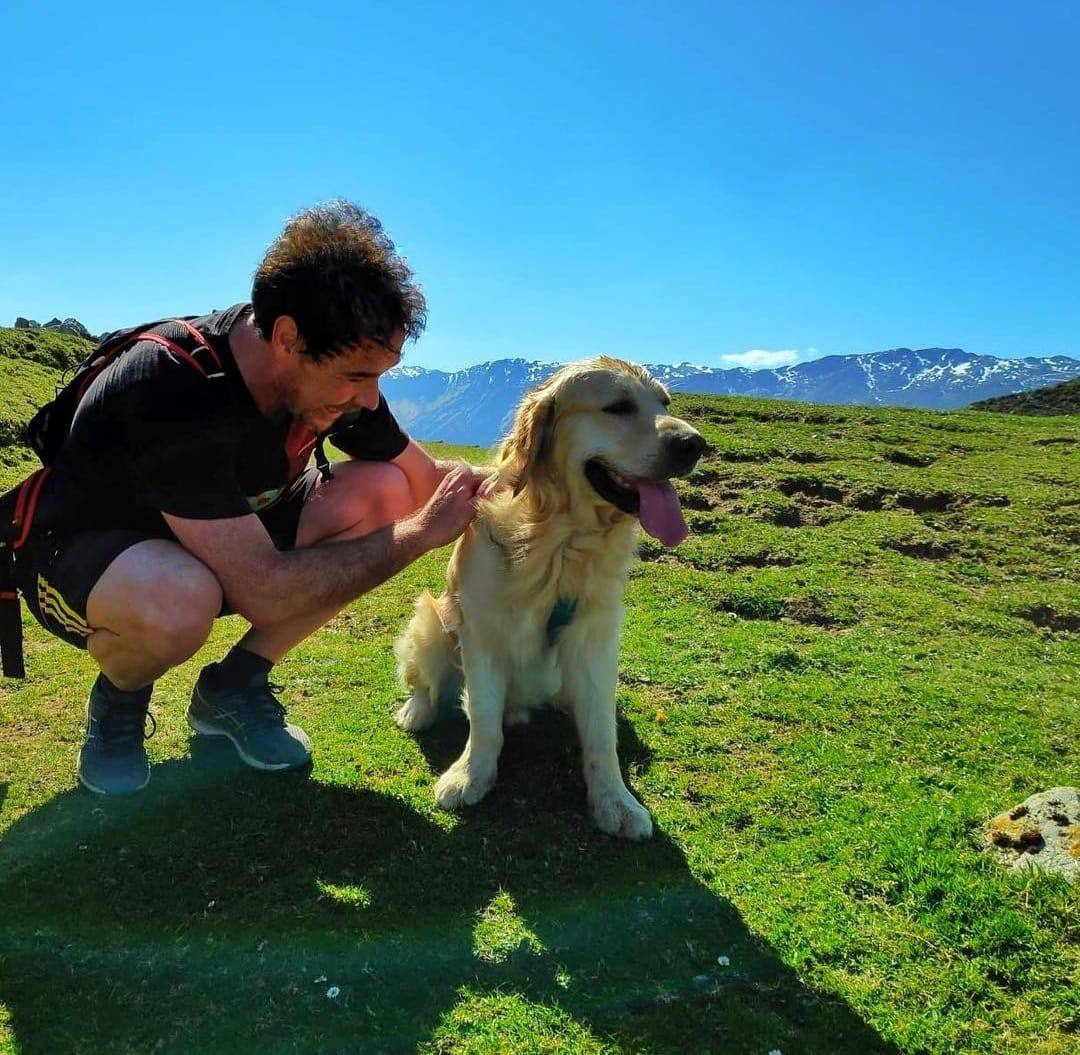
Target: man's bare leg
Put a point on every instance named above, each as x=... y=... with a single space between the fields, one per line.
x=361 y=497
x=150 y=611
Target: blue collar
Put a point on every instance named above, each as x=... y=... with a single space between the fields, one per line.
x=560 y=618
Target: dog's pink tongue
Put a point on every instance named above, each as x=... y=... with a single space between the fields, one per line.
x=660 y=514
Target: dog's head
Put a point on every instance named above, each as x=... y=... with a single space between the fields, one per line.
x=598 y=432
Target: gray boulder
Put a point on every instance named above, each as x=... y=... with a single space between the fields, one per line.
x=72 y=326
x=1042 y=833
x=26 y=324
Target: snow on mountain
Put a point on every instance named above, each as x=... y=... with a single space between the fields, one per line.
x=475 y=405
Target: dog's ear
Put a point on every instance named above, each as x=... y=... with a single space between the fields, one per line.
x=531 y=437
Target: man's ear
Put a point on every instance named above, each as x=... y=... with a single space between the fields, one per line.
x=285 y=336
x=530 y=440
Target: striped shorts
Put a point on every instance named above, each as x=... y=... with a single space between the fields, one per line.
x=56 y=570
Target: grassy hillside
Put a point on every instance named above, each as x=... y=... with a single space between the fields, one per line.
x=31 y=362
x=1057 y=399
x=867 y=648
x=45 y=347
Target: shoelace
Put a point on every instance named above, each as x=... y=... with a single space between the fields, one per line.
x=266 y=707
x=125 y=723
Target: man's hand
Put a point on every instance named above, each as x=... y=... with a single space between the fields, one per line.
x=479 y=472
x=451 y=508
x=425 y=473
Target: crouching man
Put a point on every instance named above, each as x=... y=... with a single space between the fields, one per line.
x=182 y=492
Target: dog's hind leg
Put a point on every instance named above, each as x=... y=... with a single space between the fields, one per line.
x=472 y=776
x=427 y=665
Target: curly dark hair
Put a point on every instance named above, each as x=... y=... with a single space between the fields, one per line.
x=336 y=272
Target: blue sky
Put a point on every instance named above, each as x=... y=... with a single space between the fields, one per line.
x=719 y=183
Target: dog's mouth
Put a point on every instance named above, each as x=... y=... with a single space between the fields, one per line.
x=654 y=502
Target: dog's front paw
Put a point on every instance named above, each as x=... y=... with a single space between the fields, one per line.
x=464 y=785
x=418 y=712
x=617 y=812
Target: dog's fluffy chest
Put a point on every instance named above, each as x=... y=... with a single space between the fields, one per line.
x=544 y=606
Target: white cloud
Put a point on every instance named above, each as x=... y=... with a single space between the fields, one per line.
x=761 y=359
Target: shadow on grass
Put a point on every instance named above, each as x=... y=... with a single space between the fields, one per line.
x=214 y=911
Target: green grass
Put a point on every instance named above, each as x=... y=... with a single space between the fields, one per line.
x=59 y=351
x=867 y=648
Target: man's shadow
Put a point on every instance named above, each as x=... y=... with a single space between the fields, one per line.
x=223 y=910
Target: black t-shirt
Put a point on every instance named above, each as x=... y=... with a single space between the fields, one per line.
x=152 y=435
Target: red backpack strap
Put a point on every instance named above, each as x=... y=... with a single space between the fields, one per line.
x=26 y=505
x=200 y=338
x=13 y=536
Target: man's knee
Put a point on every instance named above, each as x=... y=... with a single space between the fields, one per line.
x=361 y=497
x=177 y=622
x=397 y=495
x=165 y=599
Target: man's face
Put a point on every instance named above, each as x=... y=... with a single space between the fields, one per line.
x=322 y=391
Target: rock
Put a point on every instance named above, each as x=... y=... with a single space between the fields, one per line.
x=72 y=326
x=1043 y=832
x=26 y=324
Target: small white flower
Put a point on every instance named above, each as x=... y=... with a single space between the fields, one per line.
x=775 y=1051
x=725 y=961
x=333 y=992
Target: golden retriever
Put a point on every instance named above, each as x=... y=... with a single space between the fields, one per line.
x=533 y=605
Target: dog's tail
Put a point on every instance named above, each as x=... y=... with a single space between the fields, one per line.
x=428 y=663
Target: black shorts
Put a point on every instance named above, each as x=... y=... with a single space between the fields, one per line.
x=57 y=569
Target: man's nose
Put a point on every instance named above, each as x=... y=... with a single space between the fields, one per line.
x=367 y=398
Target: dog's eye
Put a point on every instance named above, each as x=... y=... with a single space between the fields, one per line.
x=621 y=406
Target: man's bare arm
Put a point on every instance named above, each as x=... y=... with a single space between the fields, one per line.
x=268 y=586
x=425 y=473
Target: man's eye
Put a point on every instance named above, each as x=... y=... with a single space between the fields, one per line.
x=622 y=406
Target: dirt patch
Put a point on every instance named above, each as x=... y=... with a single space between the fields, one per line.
x=1043 y=615
x=762 y=559
x=1053 y=439
x=719 y=490
x=807 y=610
x=807 y=457
x=810 y=487
x=811 y=611
x=1053 y=481
x=924 y=549
x=804 y=514
x=929 y=502
x=705 y=473
x=691 y=497
x=918 y=461
x=790 y=516
x=702 y=524
x=949 y=426
x=746 y=456
x=869 y=499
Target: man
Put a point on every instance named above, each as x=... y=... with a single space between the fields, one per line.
x=180 y=494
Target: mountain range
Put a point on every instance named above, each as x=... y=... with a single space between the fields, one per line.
x=474 y=405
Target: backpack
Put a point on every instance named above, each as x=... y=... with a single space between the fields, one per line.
x=46 y=433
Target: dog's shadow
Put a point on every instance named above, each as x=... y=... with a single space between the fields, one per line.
x=223 y=910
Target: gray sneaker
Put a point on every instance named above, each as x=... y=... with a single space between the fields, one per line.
x=252 y=718
x=113 y=760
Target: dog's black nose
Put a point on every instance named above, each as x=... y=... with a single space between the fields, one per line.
x=686 y=448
